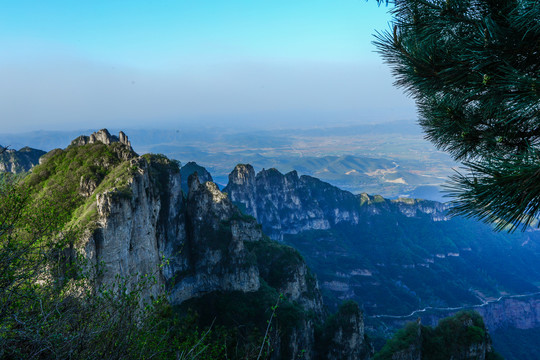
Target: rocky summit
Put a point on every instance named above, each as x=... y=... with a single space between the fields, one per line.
x=102 y=136
x=202 y=250
x=191 y=168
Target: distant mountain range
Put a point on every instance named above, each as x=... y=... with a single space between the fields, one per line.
x=392 y=256
x=18 y=161
x=390 y=159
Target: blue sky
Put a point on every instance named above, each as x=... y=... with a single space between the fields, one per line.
x=84 y=64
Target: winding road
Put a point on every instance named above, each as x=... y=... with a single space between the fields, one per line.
x=484 y=303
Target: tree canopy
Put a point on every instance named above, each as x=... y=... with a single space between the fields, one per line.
x=473 y=68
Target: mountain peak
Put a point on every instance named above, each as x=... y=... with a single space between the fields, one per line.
x=242 y=174
x=102 y=136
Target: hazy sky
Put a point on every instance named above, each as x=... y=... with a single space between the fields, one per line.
x=114 y=63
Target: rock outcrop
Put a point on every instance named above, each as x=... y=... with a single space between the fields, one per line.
x=242 y=188
x=19 y=161
x=216 y=258
x=137 y=228
x=345 y=338
x=520 y=312
x=102 y=136
x=124 y=151
x=395 y=257
x=129 y=237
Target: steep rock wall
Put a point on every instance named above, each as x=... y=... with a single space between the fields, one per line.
x=521 y=312
x=289 y=204
x=345 y=336
x=217 y=258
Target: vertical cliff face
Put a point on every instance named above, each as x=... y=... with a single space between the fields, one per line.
x=242 y=189
x=139 y=225
x=519 y=312
x=414 y=207
x=393 y=256
x=199 y=246
x=217 y=258
x=153 y=223
x=279 y=201
x=289 y=204
x=191 y=168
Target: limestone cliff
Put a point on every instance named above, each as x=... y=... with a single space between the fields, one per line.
x=344 y=337
x=520 y=312
x=216 y=258
x=392 y=256
x=289 y=204
x=102 y=136
x=199 y=246
x=395 y=257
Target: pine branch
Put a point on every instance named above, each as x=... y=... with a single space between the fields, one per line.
x=505 y=192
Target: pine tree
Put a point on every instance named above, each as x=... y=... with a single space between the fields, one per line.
x=473 y=67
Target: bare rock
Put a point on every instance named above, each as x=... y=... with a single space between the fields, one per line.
x=87 y=186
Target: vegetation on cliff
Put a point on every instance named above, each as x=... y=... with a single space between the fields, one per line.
x=392 y=256
x=241 y=320
x=49 y=307
x=462 y=336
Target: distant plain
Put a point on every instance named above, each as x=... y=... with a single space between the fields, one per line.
x=390 y=159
